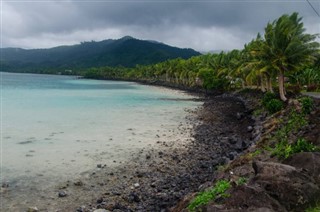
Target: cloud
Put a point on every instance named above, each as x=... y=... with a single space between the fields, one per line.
x=202 y=25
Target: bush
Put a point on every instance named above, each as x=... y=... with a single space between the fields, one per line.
x=284 y=150
x=303 y=146
x=274 y=105
x=241 y=181
x=267 y=98
x=307 y=104
x=203 y=198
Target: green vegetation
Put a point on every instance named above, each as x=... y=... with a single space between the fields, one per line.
x=274 y=105
x=219 y=190
x=310 y=78
x=284 y=148
x=315 y=208
x=241 y=181
x=267 y=97
x=284 y=51
x=124 y=52
x=307 y=104
x=271 y=103
x=255 y=153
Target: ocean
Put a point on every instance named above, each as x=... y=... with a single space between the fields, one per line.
x=55 y=128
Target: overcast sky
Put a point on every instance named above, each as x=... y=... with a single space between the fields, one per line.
x=201 y=25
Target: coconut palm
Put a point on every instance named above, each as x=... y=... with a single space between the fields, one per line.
x=288 y=47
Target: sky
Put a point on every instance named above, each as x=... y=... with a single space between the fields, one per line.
x=204 y=25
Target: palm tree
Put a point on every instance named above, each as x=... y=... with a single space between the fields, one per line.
x=288 y=48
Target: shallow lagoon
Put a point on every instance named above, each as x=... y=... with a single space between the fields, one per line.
x=56 y=128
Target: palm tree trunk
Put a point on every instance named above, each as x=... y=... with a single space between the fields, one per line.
x=281 y=86
x=243 y=84
x=269 y=84
x=263 y=88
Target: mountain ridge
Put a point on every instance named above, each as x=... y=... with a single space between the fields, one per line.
x=126 y=51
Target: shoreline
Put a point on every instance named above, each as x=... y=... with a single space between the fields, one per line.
x=157 y=179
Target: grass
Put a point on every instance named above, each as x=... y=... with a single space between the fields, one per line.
x=203 y=198
x=307 y=104
x=241 y=181
x=315 y=208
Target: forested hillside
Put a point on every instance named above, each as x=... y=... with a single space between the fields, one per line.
x=126 y=52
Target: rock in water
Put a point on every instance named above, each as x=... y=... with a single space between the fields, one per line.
x=136 y=185
x=62 y=194
x=100 y=200
x=78 y=183
x=5 y=185
x=33 y=209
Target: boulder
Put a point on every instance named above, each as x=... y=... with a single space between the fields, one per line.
x=251 y=198
x=310 y=161
x=62 y=194
x=291 y=187
x=33 y=209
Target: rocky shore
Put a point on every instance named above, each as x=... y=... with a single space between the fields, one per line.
x=157 y=179
x=225 y=142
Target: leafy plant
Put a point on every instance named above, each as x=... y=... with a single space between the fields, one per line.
x=274 y=105
x=303 y=145
x=204 y=197
x=282 y=150
x=267 y=97
x=315 y=208
x=295 y=122
x=285 y=150
x=241 y=181
x=307 y=104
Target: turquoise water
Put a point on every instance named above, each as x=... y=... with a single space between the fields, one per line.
x=57 y=127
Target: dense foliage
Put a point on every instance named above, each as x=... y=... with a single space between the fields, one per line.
x=285 y=57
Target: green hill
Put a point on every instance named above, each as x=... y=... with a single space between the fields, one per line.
x=126 y=52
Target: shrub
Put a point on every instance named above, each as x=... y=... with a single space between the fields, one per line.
x=315 y=208
x=267 y=97
x=274 y=105
x=241 y=181
x=284 y=150
x=307 y=104
x=203 y=198
x=303 y=145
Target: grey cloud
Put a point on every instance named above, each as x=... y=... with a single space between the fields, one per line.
x=203 y=25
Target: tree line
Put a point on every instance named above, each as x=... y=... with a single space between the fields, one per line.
x=284 y=57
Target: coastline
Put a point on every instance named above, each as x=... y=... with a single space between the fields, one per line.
x=221 y=139
x=158 y=178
